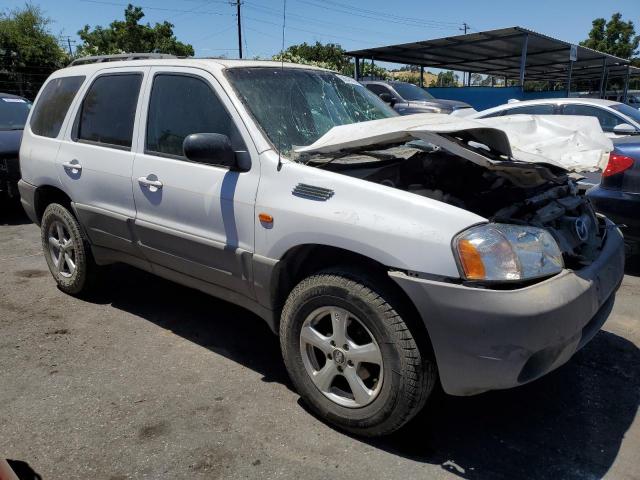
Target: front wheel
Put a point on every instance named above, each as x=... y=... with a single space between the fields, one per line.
x=351 y=355
x=67 y=254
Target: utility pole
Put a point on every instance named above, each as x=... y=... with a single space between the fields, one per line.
x=239 y=29
x=69 y=43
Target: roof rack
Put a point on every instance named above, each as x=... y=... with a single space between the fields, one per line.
x=119 y=58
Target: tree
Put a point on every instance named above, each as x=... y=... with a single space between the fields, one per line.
x=28 y=51
x=130 y=36
x=331 y=56
x=615 y=37
x=446 y=79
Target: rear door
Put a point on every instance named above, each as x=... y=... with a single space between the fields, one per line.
x=95 y=160
x=194 y=218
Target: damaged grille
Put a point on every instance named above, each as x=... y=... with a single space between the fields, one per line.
x=567 y=215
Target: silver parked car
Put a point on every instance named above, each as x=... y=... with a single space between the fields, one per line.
x=407 y=98
x=389 y=253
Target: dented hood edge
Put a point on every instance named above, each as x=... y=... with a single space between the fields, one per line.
x=573 y=143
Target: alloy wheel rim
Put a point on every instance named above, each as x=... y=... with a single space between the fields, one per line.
x=61 y=249
x=341 y=357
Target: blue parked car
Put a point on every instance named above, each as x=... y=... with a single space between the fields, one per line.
x=13 y=115
x=618 y=194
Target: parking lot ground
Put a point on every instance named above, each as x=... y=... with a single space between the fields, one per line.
x=153 y=380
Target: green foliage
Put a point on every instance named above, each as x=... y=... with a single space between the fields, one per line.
x=130 y=36
x=28 y=51
x=330 y=56
x=615 y=37
x=446 y=79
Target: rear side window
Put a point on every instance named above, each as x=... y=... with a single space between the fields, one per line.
x=181 y=105
x=532 y=110
x=108 y=110
x=607 y=120
x=52 y=106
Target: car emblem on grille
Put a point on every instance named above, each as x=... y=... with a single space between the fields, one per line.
x=582 y=229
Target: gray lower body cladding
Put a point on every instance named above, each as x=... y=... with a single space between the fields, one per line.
x=494 y=339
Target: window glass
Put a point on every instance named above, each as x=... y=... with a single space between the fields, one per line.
x=378 y=89
x=630 y=112
x=607 y=120
x=547 y=109
x=109 y=108
x=409 y=91
x=52 y=106
x=181 y=105
x=296 y=106
x=13 y=112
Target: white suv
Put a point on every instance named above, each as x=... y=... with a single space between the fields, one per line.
x=389 y=253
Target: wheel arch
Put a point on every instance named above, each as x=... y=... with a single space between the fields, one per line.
x=48 y=194
x=304 y=260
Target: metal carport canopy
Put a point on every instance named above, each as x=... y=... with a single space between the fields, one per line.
x=503 y=52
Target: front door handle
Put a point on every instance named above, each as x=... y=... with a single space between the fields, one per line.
x=151 y=182
x=74 y=165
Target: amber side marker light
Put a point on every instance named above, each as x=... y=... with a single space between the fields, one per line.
x=471 y=261
x=265 y=218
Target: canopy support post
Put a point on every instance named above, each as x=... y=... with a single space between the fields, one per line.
x=356 y=74
x=569 y=72
x=523 y=59
x=421 y=76
x=604 y=70
x=626 y=84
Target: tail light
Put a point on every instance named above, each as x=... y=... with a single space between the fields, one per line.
x=617 y=164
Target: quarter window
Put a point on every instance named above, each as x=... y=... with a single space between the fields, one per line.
x=53 y=104
x=181 y=105
x=108 y=111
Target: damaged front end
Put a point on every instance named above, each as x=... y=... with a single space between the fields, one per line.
x=474 y=168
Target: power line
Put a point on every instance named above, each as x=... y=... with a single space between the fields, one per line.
x=380 y=17
x=102 y=2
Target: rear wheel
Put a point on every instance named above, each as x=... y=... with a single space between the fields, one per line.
x=67 y=254
x=352 y=356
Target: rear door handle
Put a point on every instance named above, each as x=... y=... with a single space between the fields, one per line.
x=151 y=184
x=73 y=165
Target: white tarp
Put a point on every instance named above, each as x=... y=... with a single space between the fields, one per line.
x=571 y=142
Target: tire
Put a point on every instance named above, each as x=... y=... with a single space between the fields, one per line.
x=407 y=373
x=76 y=280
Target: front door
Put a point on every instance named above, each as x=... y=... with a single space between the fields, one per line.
x=193 y=218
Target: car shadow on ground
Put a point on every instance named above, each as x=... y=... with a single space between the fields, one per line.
x=11 y=212
x=568 y=425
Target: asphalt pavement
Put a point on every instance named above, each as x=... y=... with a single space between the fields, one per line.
x=151 y=380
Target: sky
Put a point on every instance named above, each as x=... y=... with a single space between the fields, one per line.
x=211 y=25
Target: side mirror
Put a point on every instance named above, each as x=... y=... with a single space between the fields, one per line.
x=387 y=98
x=211 y=149
x=625 y=129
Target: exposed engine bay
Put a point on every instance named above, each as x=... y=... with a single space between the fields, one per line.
x=511 y=192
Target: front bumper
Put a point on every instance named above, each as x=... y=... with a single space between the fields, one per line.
x=493 y=339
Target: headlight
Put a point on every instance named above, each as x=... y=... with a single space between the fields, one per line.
x=502 y=252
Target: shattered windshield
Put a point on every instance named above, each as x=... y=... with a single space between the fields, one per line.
x=295 y=107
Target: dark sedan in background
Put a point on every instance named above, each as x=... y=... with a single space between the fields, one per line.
x=406 y=98
x=13 y=115
x=618 y=194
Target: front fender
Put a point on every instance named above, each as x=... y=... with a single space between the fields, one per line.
x=393 y=227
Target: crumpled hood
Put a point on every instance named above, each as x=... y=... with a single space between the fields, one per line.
x=570 y=142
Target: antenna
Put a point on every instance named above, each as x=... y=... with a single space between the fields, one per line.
x=284 y=23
